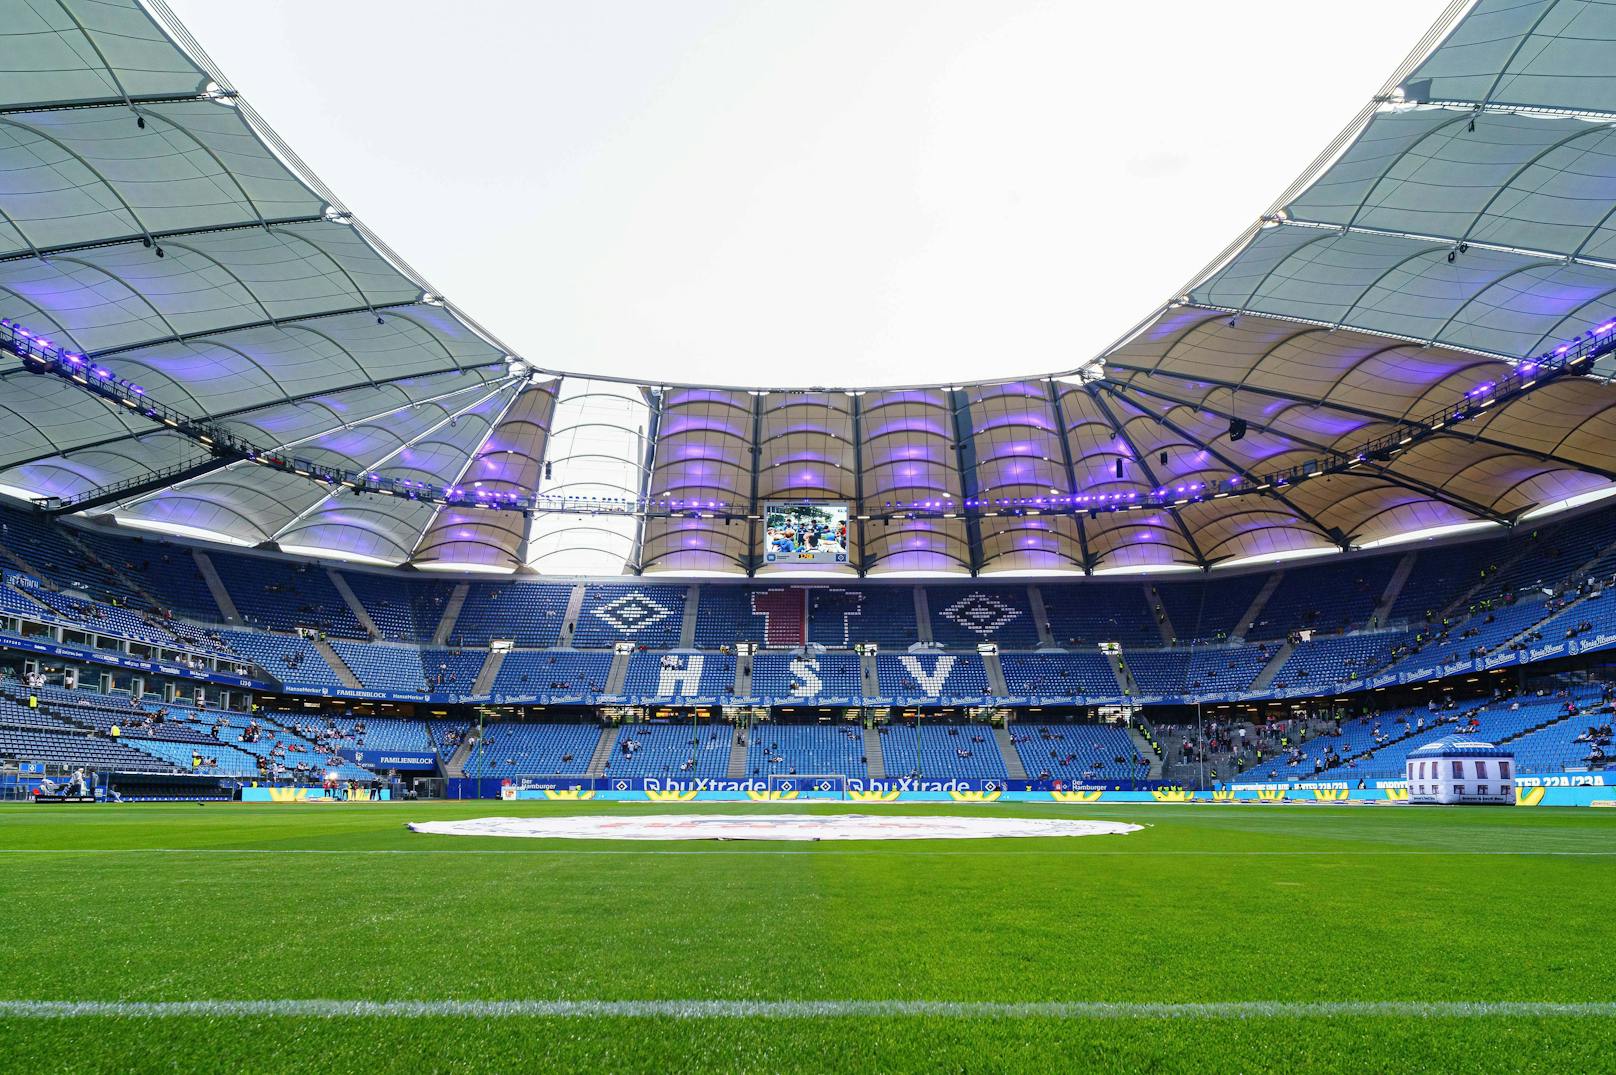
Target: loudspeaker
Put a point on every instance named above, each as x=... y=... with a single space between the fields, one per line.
x=1119 y=469
x=1237 y=428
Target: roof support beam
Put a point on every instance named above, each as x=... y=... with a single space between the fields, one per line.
x=1330 y=532
x=1071 y=471
x=965 y=453
x=1360 y=412
x=1411 y=484
x=1144 y=464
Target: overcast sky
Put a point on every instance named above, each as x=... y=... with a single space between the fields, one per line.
x=808 y=192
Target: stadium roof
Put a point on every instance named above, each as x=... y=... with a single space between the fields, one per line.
x=151 y=221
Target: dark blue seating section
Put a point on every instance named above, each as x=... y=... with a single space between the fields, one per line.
x=561 y=672
x=1089 y=613
x=671 y=750
x=1078 y=753
x=724 y=616
x=526 y=613
x=516 y=750
x=403 y=610
x=1209 y=610
x=966 y=615
x=1329 y=596
x=806 y=749
x=283 y=595
x=931 y=675
x=1059 y=675
x=451 y=671
x=1337 y=658
x=383 y=666
x=813 y=675
x=680 y=675
x=651 y=615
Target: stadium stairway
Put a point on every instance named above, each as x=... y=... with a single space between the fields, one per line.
x=603 y=751
x=488 y=672
x=868 y=676
x=742 y=687
x=1123 y=674
x=221 y=596
x=1275 y=663
x=451 y=613
x=456 y=765
x=1145 y=749
x=1013 y=766
x=617 y=674
x=737 y=756
x=340 y=667
x=1394 y=590
x=995 y=674
x=569 y=618
x=1040 y=616
x=1164 y=623
x=874 y=760
x=922 y=615
x=1255 y=609
x=351 y=599
x=687 y=626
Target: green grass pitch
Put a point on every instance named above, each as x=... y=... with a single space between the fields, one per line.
x=1210 y=905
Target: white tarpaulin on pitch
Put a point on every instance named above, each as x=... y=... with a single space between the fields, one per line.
x=771 y=827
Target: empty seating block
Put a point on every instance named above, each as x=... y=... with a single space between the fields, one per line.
x=688 y=675
x=1059 y=675
x=966 y=615
x=1330 y=596
x=293 y=661
x=821 y=749
x=784 y=676
x=1087 y=753
x=515 y=750
x=560 y=672
x=1159 y=672
x=941 y=751
x=1208 y=609
x=526 y=613
x=383 y=667
x=931 y=675
x=1091 y=613
x=282 y=595
x=649 y=615
x=452 y=671
x=672 y=750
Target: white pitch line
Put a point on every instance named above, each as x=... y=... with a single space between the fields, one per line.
x=793 y=1009
x=984 y=851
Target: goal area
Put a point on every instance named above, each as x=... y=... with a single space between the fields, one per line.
x=810 y=785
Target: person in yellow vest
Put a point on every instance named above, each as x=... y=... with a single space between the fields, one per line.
x=115 y=731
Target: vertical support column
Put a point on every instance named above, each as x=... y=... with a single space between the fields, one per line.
x=1071 y=473
x=965 y=454
x=858 y=480
x=754 y=534
x=647 y=464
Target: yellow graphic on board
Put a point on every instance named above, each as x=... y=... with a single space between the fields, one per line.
x=568 y=794
x=1528 y=796
x=671 y=796
x=975 y=796
x=889 y=795
x=1076 y=796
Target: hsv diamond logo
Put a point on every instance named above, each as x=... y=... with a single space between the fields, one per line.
x=980 y=613
x=632 y=612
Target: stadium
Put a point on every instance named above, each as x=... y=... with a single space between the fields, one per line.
x=1236 y=698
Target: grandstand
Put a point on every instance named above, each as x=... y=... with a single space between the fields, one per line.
x=283 y=529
